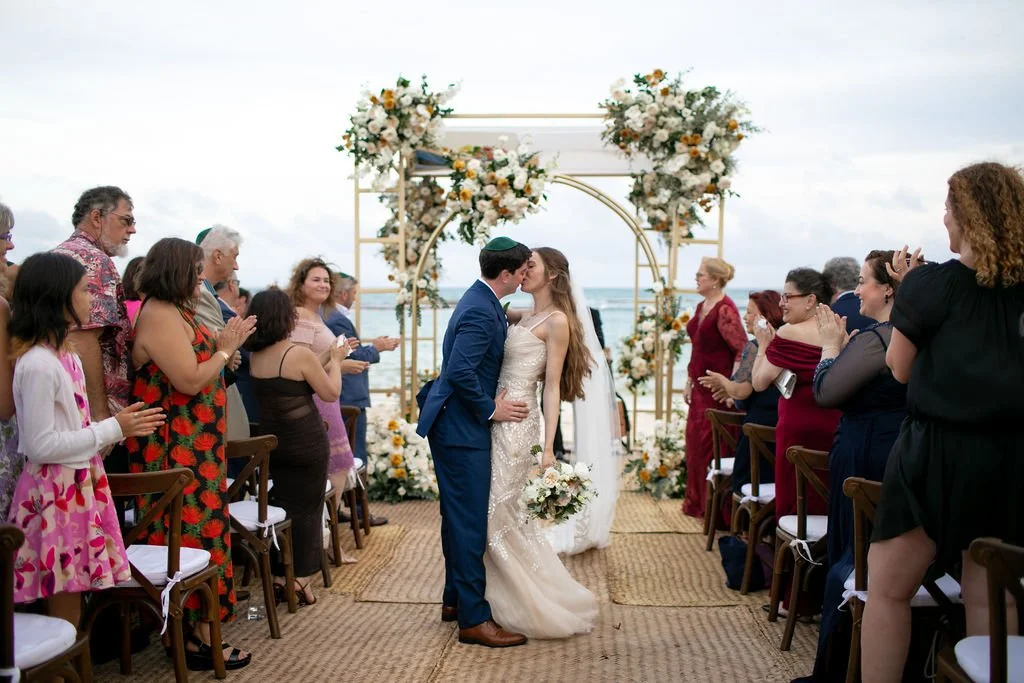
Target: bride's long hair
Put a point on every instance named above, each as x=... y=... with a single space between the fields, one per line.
x=579 y=362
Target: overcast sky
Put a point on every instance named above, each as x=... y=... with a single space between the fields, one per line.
x=229 y=112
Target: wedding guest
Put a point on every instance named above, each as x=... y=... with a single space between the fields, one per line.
x=244 y=297
x=842 y=273
x=220 y=246
x=718 y=339
x=11 y=461
x=356 y=389
x=957 y=469
x=310 y=288
x=796 y=348
x=132 y=298
x=104 y=224
x=762 y=407
x=61 y=445
x=227 y=292
x=179 y=366
x=852 y=376
x=285 y=378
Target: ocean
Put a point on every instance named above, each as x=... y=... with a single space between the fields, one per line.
x=377 y=318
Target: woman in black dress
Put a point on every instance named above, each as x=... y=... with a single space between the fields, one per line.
x=956 y=470
x=853 y=377
x=284 y=378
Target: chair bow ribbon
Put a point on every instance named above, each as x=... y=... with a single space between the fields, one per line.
x=14 y=674
x=803 y=549
x=273 y=531
x=165 y=597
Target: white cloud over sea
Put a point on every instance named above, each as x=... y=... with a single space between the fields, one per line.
x=229 y=113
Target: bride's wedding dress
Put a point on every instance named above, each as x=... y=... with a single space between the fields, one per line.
x=529 y=589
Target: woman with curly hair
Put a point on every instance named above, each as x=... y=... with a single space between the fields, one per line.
x=957 y=468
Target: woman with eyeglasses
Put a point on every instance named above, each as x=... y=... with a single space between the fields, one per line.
x=796 y=348
x=718 y=339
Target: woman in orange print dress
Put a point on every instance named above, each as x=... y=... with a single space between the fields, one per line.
x=179 y=367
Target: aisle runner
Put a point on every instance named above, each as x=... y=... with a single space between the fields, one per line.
x=668 y=570
x=671 y=510
x=414 y=575
x=637 y=512
x=378 y=550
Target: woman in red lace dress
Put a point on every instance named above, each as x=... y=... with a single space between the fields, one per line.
x=717 y=337
x=797 y=348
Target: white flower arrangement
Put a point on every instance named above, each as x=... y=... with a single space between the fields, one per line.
x=636 y=358
x=492 y=185
x=425 y=209
x=557 y=493
x=660 y=462
x=399 y=466
x=394 y=122
x=689 y=135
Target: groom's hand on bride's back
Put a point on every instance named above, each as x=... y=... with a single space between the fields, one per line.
x=508 y=411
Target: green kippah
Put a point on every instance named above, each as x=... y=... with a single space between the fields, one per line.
x=344 y=275
x=501 y=244
x=202 y=235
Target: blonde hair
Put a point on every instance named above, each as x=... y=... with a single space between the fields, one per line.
x=987 y=201
x=579 y=361
x=718 y=269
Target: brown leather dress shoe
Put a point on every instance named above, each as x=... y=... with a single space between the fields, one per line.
x=449 y=613
x=491 y=635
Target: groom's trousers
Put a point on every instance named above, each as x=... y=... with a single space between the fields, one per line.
x=464 y=483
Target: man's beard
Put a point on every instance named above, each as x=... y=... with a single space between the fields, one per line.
x=114 y=249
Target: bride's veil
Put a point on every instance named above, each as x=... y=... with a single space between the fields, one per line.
x=596 y=442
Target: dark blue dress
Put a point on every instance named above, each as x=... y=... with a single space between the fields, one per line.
x=763 y=409
x=874 y=405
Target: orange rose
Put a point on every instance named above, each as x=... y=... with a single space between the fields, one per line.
x=694 y=152
x=645 y=476
x=662 y=471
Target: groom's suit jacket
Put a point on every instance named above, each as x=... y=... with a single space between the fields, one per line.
x=455 y=408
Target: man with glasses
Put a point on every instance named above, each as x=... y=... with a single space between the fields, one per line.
x=104 y=223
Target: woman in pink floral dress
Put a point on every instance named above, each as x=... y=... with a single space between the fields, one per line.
x=62 y=500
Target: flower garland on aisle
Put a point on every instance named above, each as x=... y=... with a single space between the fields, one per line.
x=636 y=353
x=689 y=136
x=425 y=209
x=399 y=466
x=494 y=184
x=659 y=465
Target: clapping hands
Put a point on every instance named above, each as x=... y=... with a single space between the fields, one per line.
x=832 y=328
x=902 y=264
x=716 y=382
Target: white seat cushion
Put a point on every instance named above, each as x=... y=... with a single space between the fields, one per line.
x=357 y=463
x=972 y=656
x=151 y=560
x=726 y=469
x=946 y=583
x=817 y=526
x=247 y=513
x=38 y=638
x=766 y=492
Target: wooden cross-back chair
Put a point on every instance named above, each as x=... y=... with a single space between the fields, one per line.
x=719 y=475
x=256 y=525
x=801 y=536
x=34 y=647
x=151 y=565
x=755 y=501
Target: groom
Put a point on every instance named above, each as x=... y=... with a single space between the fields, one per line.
x=456 y=411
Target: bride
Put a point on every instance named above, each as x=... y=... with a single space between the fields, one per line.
x=528 y=588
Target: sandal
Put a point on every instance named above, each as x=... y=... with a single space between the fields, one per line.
x=301 y=595
x=201 y=659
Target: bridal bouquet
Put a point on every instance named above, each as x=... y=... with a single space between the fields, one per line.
x=559 y=492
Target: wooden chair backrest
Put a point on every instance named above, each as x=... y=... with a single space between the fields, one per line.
x=170 y=485
x=759 y=436
x=720 y=421
x=1004 y=567
x=807 y=463
x=255 y=474
x=865 y=495
x=350 y=415
x=11 y=538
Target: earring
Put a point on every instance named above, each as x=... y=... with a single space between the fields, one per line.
x=886 y=298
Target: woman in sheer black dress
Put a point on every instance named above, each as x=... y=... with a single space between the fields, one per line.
x=853 y=377
x=284 y=378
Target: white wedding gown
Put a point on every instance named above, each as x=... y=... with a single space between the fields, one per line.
x=529 y=589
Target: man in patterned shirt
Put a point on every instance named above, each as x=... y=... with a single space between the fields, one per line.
x=103 y=223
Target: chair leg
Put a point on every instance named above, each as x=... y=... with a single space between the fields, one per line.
x=364 y=500
x=853 y=663
x=126 y=638
x=711 y=521
x=285 y=535
x=175 y=632
x=795 y=592
x=332 y=520
x=774 y=596
x=748 y=561
x=325 y=570
x=219 y=670
x=357 y=532
x=707 y=507
x=268 y=594
x=83 y=664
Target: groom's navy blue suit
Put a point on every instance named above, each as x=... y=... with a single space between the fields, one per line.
x=455 y=412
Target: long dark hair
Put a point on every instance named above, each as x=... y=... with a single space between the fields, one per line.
x=169 y=272
x=130 y=280
x=42 y=300
x=275 y=318
x=579 y=362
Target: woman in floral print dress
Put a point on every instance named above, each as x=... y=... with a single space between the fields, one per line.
x=179 y=367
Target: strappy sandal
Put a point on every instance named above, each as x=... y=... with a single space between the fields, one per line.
x=280 y=597
x=201 y=659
